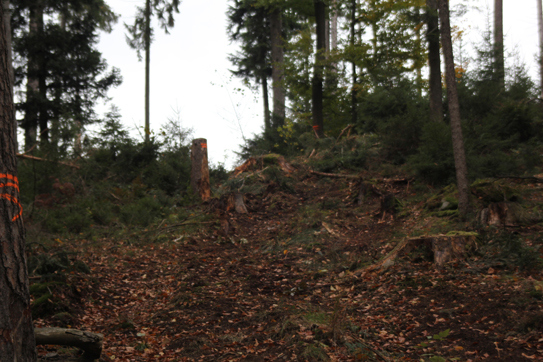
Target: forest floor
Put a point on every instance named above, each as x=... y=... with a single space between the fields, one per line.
x=284 y=282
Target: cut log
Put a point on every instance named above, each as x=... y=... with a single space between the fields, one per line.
x=89 y=343
x=256 y=163
x=199 y=178
x=34 y=158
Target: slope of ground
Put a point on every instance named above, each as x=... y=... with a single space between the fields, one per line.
x=283 y=283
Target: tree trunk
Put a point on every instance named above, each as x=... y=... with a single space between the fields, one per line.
x=267 y=122
x=320 y=14
x=199 y=178
x=434 y=62
x=326 y=34
x=454 y=112
x=333 y=35
x=147 y=67
x=354 y=115
x=498 y=42
x=32 y=90
x=16 y=332
x=540 y=24
x=90 y=343
x=277 y=54
x=333 y=30
x=7 y=25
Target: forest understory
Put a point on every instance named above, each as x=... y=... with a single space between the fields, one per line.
x=289 y=281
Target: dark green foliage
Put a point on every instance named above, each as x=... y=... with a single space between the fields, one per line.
x=510 y=250
x=72 y=75
x=120 y=181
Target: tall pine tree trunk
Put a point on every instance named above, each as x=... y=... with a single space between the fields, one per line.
x=333 y=32
x=354 y=114
x=454 y=111
x=540 y=24
x=434 y=61
x=266 y=99
x=320 y=15
x=33 y=74
x=498 y=42
x=16 y=332
x=147 y=67
x=7 y=24
x=277 y=54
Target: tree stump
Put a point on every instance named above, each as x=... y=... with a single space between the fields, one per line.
x=90 y=343
x=389 y=205
x=498 y=214
x=239 y=204
x=199 y=177
x=444 y=248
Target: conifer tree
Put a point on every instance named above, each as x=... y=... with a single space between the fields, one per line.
x=65 y=74
x=140 y=37
x=249 y=25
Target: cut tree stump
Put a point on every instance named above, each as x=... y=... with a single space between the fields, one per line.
x=388 y=205
x=239 y=204
x=444 y=248
x=498 y=214
x=199 y=177
x=89 y=343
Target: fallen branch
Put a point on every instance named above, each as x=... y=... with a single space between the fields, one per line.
x=34 y=158
x=343 y=131
x=333 y=175
x=89 y=343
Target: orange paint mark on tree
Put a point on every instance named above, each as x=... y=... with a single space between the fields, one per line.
x=15 y=185
x=204 y=145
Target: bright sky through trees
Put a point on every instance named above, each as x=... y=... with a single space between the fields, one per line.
x=189 y=68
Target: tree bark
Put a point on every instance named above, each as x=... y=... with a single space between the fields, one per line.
x=454 y=112
x=498 y=42
x=333 y=30
x=32 y=88
x=147 y=67
x=277 y=54
x=320 y=14
x=434 y=62
x=354 y=114
x=540 y=24
x=7 y=25
x=16 y=332
x=265 y=97
x=199 y=178
x=333 y=35
x=90 y=343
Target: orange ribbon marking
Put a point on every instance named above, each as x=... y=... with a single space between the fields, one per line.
x=316 y=127
x=204 y=145
x=15 y=185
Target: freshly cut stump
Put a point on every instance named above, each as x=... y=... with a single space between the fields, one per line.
x=199 y=177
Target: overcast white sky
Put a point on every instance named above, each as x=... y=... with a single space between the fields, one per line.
x=189 y=69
